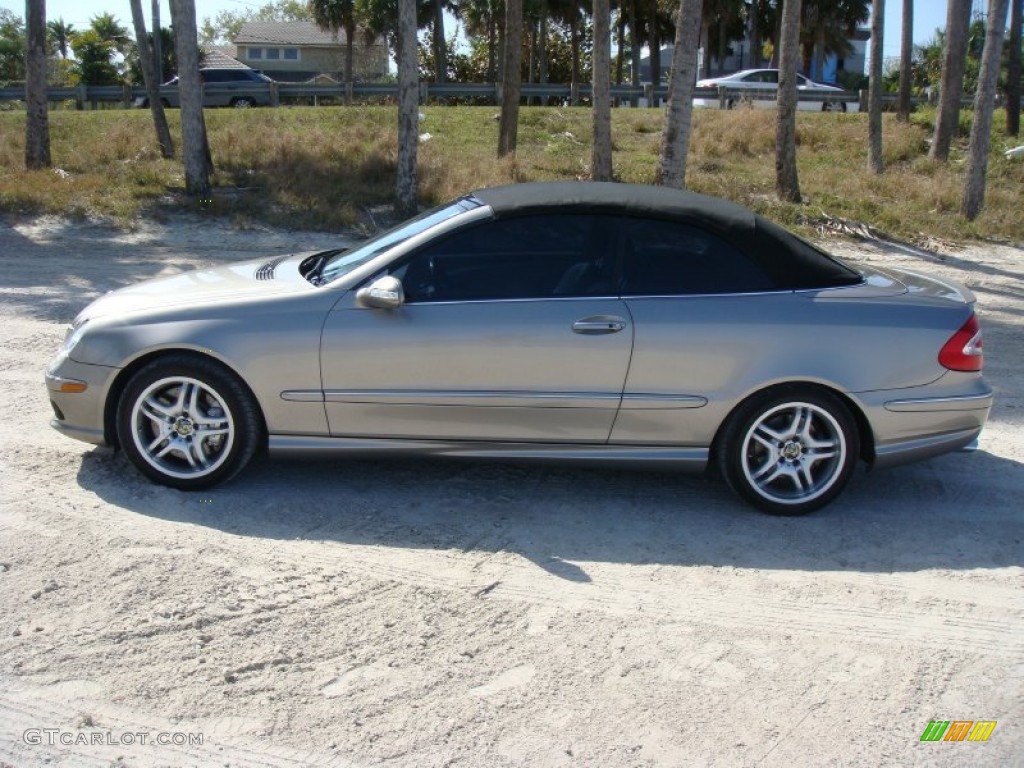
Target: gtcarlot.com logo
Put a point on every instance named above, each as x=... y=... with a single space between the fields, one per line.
x=55 y=736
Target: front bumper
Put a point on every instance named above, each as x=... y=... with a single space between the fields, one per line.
x=79 y=414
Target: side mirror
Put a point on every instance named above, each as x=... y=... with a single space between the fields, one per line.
x=383 y=293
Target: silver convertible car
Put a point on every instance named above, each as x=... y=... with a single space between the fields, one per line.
x=582 y=322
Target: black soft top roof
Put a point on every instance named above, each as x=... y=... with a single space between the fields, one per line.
x=791 y=262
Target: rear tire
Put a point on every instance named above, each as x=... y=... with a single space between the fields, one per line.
x=243 y=102
x=187 y=422
x=789 y=451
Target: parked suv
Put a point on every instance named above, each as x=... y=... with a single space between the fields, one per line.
x=221 y=88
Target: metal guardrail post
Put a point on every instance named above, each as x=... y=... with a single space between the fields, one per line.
x=348 y=94
x=723 y=97
x=80 y=96
x=275 y=96
x=126 y=96
x=424 y=92
x=574 y=94
x=649 y=94
x=862 y=100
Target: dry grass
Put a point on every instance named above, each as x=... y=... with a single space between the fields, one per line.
x=324 y=167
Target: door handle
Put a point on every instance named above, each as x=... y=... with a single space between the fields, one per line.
x=599 y=324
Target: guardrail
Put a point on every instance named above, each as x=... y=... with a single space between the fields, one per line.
x=346 y=93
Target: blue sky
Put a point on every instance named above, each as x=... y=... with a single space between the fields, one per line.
x=928 y=14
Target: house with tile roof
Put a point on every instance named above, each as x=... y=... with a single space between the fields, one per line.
x=296 y=51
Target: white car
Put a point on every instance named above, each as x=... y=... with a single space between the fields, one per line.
x=763 y=85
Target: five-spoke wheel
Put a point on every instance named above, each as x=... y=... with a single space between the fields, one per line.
x=187 y=422
x=789 y=453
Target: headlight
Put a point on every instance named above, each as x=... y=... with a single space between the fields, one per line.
x=74 y=335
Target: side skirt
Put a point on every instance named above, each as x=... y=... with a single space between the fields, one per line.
x=624 y=456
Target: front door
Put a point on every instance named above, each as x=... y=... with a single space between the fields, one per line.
x=511 y=331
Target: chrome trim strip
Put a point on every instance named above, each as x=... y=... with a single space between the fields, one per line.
x=495 y=398
x=687 y=459
x=949 y=403
x=656 y=401
x=303 y=395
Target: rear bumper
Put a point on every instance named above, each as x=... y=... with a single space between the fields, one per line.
x=909 y=427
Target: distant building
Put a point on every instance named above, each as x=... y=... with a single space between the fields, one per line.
x=296 y=51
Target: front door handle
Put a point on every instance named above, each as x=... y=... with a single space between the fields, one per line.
x=599 y=324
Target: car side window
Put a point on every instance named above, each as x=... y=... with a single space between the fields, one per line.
x=522 y=257
x=668 y=258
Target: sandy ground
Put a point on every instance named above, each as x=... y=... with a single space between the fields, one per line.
x=434 y=614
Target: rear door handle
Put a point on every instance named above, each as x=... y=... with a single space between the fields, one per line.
x=599 y=324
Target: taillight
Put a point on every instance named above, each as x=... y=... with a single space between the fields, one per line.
x=963 y=350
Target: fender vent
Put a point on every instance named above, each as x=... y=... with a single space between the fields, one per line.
x=266 y=271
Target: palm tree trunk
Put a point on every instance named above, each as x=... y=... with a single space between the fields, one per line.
x=350 y=44
x=508 y=126
x=158 y=43
x=958 y=18
x=655 y=49
x=152 y=83
x=875 y=87
x=675 y=138
x=906 y=61
x=1013 y=70
x=601 y=157
x=634 y=49
x=755 y=36
x=440 y=49
x=195 y=147
x=408 y=109
x=984 y=104
x=37 y=115
x=620 y=59
x=787 y=182
x=492 y=61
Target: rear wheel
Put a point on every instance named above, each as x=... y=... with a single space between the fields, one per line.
x=187 y=422
x=243 y=102
x=789 y=452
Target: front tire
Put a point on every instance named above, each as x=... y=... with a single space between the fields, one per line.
x=789 y=452
x=187 y=422
x=243 y=102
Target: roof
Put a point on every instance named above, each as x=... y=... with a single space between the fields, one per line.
x=790 y=261
x=221 y=57
x=640 y=198
x=287 y=33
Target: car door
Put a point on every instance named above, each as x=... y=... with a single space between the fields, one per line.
x=510 y=329
x=700 y=308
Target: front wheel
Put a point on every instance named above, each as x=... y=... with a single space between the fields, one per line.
x=789 y=452
x=243 y=102
x=187 y=422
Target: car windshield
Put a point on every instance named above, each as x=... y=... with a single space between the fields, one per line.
x=343 y=263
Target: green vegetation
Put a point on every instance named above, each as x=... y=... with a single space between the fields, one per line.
x=326 y=167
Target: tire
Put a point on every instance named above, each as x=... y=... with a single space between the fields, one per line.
x=833 y=106
x=789 y=451
x=187 y=422
x=242 y=102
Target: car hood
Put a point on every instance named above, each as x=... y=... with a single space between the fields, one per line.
x=240 y=281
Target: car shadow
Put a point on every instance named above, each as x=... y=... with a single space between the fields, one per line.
x=953 y=512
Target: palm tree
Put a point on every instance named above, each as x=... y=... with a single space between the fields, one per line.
x=59 y=35
x=37 y=117
x=954 y=59
x=408 y=109
x=875 y=87
x=787 y=182
x=109 y=29
x=984 y=103
x=483 y=18
x=1013 y=69
x=508 y=126
x=195 y=147
x=151 y=81
x=906 y=61
x=601 y=156
x=332 y=15
x=675 y=139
